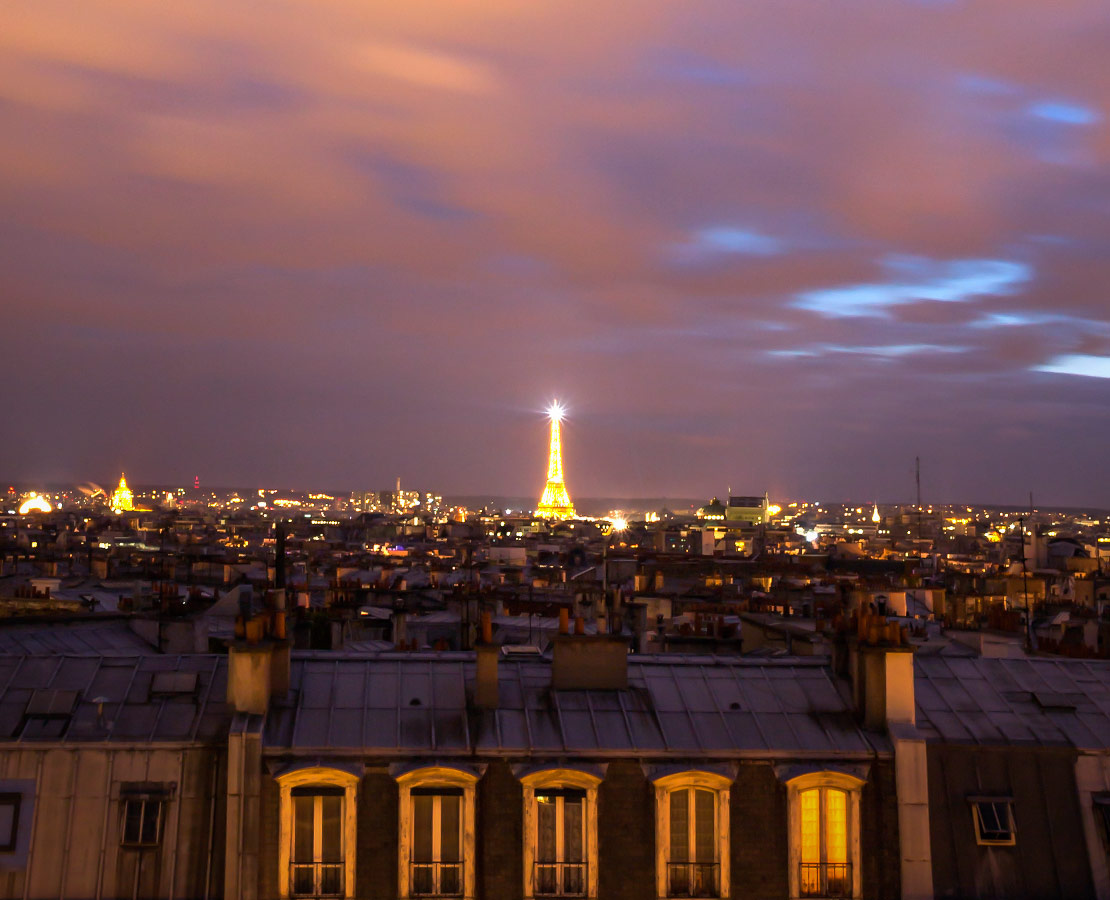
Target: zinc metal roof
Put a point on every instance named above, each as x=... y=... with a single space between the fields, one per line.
x=108 y=638
x=113 y=699
x=675 y=706
x=1035 y=702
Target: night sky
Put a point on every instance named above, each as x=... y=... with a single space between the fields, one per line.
x=781 y=245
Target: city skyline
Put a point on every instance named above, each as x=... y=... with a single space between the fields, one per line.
x=782 y=245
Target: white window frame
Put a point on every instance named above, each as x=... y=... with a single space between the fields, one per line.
x=318 y=776
x=1008 y=805
x=840 y=781
x=698 y=780
x=556 y=779
x=433 y=777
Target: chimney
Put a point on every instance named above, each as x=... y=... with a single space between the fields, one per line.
x=249 y=677
x=485 y=679
x=258 y=662
x=590 y=662
x=883 y=684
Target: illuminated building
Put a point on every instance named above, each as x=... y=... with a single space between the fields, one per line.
x=749 y=510
x=714 y=511
x=555 y=502
x=35 y=503
x=121 y=497
x=875 y=517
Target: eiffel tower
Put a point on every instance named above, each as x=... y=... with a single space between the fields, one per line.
x=555 y=502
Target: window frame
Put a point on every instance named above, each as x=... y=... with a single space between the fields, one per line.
x=841 y=781
x=320 y=777
x=14 y=799
x=435 y=777
x=1008 y=804
x=146 y=800
x=695 y=779
x=559 y=779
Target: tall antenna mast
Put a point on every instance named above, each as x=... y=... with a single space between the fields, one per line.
x=917 y=466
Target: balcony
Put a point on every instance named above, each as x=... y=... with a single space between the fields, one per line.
x=560 y=879
x=693 y=879
x=316 y=879
x=825 y=879
x=436 y=879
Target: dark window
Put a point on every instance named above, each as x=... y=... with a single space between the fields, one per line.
x=47 y=715
x=9 y=821
x=1102 y=814
x=142 y=822
x=317 y=861
x=994 y=823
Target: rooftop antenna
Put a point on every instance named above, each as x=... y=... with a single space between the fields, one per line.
x=917 y=467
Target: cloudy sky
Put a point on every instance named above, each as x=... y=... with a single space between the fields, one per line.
x=772 y=244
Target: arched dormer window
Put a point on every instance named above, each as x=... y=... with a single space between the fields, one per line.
x=823 y=810
x=436 y=833
x=692 y=834
x=560 y=833
x=316 y=849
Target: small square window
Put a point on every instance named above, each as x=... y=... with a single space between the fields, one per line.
x=9 y=821
x=142 y=822
x=994 y=821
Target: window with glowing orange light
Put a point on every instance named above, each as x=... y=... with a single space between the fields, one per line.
x=824 y=835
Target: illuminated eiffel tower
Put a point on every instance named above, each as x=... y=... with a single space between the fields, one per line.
x=555 y=502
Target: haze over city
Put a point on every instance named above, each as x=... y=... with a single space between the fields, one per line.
x=778 y=246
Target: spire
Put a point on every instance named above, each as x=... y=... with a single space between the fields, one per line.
x=555 y=502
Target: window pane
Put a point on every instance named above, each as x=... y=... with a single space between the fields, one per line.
x=680 y=826
x=573 y=808
x=151 y=813
x=331 y=833
x=1102 y=810
x=303 y=808
x=7 y=824
x=422 y=828
x=705 y=836
x=994 y=820
x=546 y=809
x=449 y=850
x=133 y=821
x=836 y=826
x=811 y=825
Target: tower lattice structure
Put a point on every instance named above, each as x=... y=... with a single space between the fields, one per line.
x=555 y=502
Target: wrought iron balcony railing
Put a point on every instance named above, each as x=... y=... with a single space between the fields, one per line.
x=693 y=879
x=316 y=879
x=560 y=879
x=825 y=880
x=436 y=879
